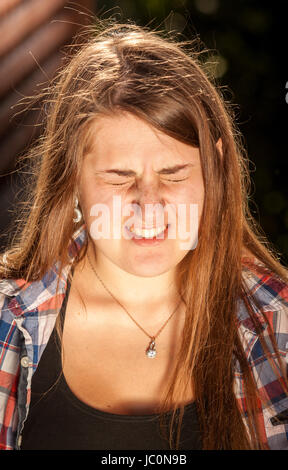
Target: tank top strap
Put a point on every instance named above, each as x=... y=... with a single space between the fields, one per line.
x=65 y=300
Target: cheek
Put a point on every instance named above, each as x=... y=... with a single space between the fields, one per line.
x=190 y=194
x=91 y=191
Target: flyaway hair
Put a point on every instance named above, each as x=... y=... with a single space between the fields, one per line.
x=120 y=68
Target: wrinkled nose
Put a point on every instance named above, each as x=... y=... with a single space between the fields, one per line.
x=151 y=203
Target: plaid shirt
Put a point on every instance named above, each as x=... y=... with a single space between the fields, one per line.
x=28 y=313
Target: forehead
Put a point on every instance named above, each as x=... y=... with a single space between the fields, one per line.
x=126 y=139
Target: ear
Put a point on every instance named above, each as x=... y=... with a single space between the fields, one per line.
x=219 y=146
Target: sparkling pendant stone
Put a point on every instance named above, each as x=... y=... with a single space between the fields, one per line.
x=151 y=351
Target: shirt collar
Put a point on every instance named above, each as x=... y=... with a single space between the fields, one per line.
x=26 y=296
x=264 y=287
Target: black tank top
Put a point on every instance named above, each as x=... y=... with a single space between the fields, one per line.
x=58 y=420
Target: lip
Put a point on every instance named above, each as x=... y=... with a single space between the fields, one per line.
x=141 y=227
x=148 y=228
x=148 y=241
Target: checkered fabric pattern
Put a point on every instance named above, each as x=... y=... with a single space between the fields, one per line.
x=27 y=317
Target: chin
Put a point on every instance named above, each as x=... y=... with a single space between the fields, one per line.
x=148 y=270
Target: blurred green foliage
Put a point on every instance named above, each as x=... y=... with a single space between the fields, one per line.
x=246 y=37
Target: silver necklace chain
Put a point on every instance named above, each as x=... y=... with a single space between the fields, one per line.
x=150 y=351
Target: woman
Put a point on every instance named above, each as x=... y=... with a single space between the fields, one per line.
x=147 y=329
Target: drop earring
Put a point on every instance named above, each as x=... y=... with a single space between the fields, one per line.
x=77 y=211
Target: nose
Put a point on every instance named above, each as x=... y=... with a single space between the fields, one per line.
x=147 y=191
x=150 y=200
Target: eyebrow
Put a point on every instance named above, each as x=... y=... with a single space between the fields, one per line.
x=164 y=171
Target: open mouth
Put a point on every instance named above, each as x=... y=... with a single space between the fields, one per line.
x=147 y=233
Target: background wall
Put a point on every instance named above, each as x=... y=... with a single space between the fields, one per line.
x=247 y=39
x=33 y=34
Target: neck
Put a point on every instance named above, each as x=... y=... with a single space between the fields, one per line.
x=127 y=287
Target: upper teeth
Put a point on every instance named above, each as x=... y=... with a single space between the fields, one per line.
x=148 y=233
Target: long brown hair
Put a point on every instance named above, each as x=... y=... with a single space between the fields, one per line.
x=125 y=67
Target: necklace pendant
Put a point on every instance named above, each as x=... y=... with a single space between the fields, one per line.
x=151 y=351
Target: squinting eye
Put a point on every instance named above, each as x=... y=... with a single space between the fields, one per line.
x=177 y=181
x=172 y=181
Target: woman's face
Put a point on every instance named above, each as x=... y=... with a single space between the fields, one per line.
x=148 y=172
